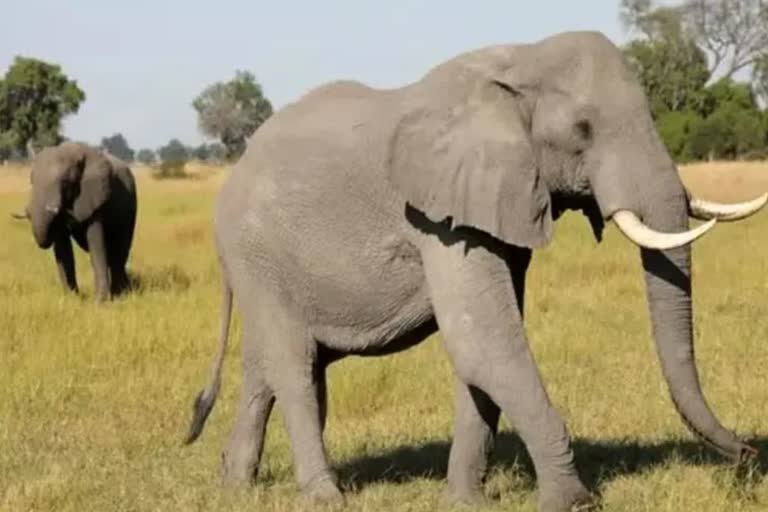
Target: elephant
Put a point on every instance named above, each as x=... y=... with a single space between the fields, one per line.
x=361 y=220
x=82 y=192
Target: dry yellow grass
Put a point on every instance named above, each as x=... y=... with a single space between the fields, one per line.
x=726 y=181
x=96 y=398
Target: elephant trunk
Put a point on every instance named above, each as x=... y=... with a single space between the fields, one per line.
x=43 y=216
x=668 y=283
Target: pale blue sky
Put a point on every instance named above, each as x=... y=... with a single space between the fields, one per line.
x=142 y=62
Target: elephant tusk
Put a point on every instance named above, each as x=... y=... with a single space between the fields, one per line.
x=52 y=209
x=19 y=215
x=634 y=229
x=706 y=210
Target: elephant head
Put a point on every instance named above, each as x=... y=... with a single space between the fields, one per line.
x=70 y=182
x=505 y=138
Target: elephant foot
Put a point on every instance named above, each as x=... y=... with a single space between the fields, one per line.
x=323 y=491
x=120 y=284
x=568 y=498
x=237 y=472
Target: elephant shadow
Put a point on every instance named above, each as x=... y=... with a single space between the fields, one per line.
x=597 y=461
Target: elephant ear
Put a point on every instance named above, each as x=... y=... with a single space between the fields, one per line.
x=94 y=186
x=474 y=162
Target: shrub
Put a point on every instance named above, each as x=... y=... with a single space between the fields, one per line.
x=172 y=169
x=730 y=132
x=675 y=129
x=756 y=155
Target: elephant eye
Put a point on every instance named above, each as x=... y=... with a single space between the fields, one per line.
x=584 y=129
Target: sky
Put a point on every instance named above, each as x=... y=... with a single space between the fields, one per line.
x=141 y=63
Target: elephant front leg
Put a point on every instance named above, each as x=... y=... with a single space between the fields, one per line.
x=475 y=305
x=475 y=426
x=65 y=261
x=118 y=257
x=119 y=282
x=97 y=249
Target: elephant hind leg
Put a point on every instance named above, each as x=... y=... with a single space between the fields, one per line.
x=293 y=372
x=240 y=460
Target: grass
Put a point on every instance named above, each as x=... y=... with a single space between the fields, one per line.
x=96 y=399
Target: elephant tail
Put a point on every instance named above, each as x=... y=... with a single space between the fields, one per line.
x=207 y=398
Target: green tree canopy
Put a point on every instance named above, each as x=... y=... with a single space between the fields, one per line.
x=201 y=152
x=118 y=146
x=218 y=153
x=729 y=133
x=728 y=91
x=760 y=77
x=34 y=98
x=675 y=129
x=146 y=156
x=672 y=71
x=232 y=111
x=174 y=151
x=682 y=45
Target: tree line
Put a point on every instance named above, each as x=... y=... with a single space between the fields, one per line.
x=36 y=96
x=703 y=64
x=689 y=57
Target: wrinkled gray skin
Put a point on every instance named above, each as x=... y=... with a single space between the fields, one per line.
x=360 y=220
x=81 y=192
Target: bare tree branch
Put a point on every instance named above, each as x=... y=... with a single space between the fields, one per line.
x=733 y=32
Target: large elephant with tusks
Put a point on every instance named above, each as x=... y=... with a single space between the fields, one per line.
x=360 y=221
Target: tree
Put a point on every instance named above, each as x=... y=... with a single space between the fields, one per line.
x=146 y=156
x=734 y=32
x=201 y=152
x=34 y=98
x=174 y=158
x=727 y=91
x=675 y=129
x=734 y=127
x=174 y=151
x=699 y=115
x=760 y=77
x=232 y=111
x=665 y=22
x=765 y=134
x=218 y=153
x=672 y=71
x=118 y=146
x=729 y=133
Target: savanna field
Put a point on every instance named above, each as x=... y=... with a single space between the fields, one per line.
x=95 y=399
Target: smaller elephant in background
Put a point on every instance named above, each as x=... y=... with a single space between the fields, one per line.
x=82 y=192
